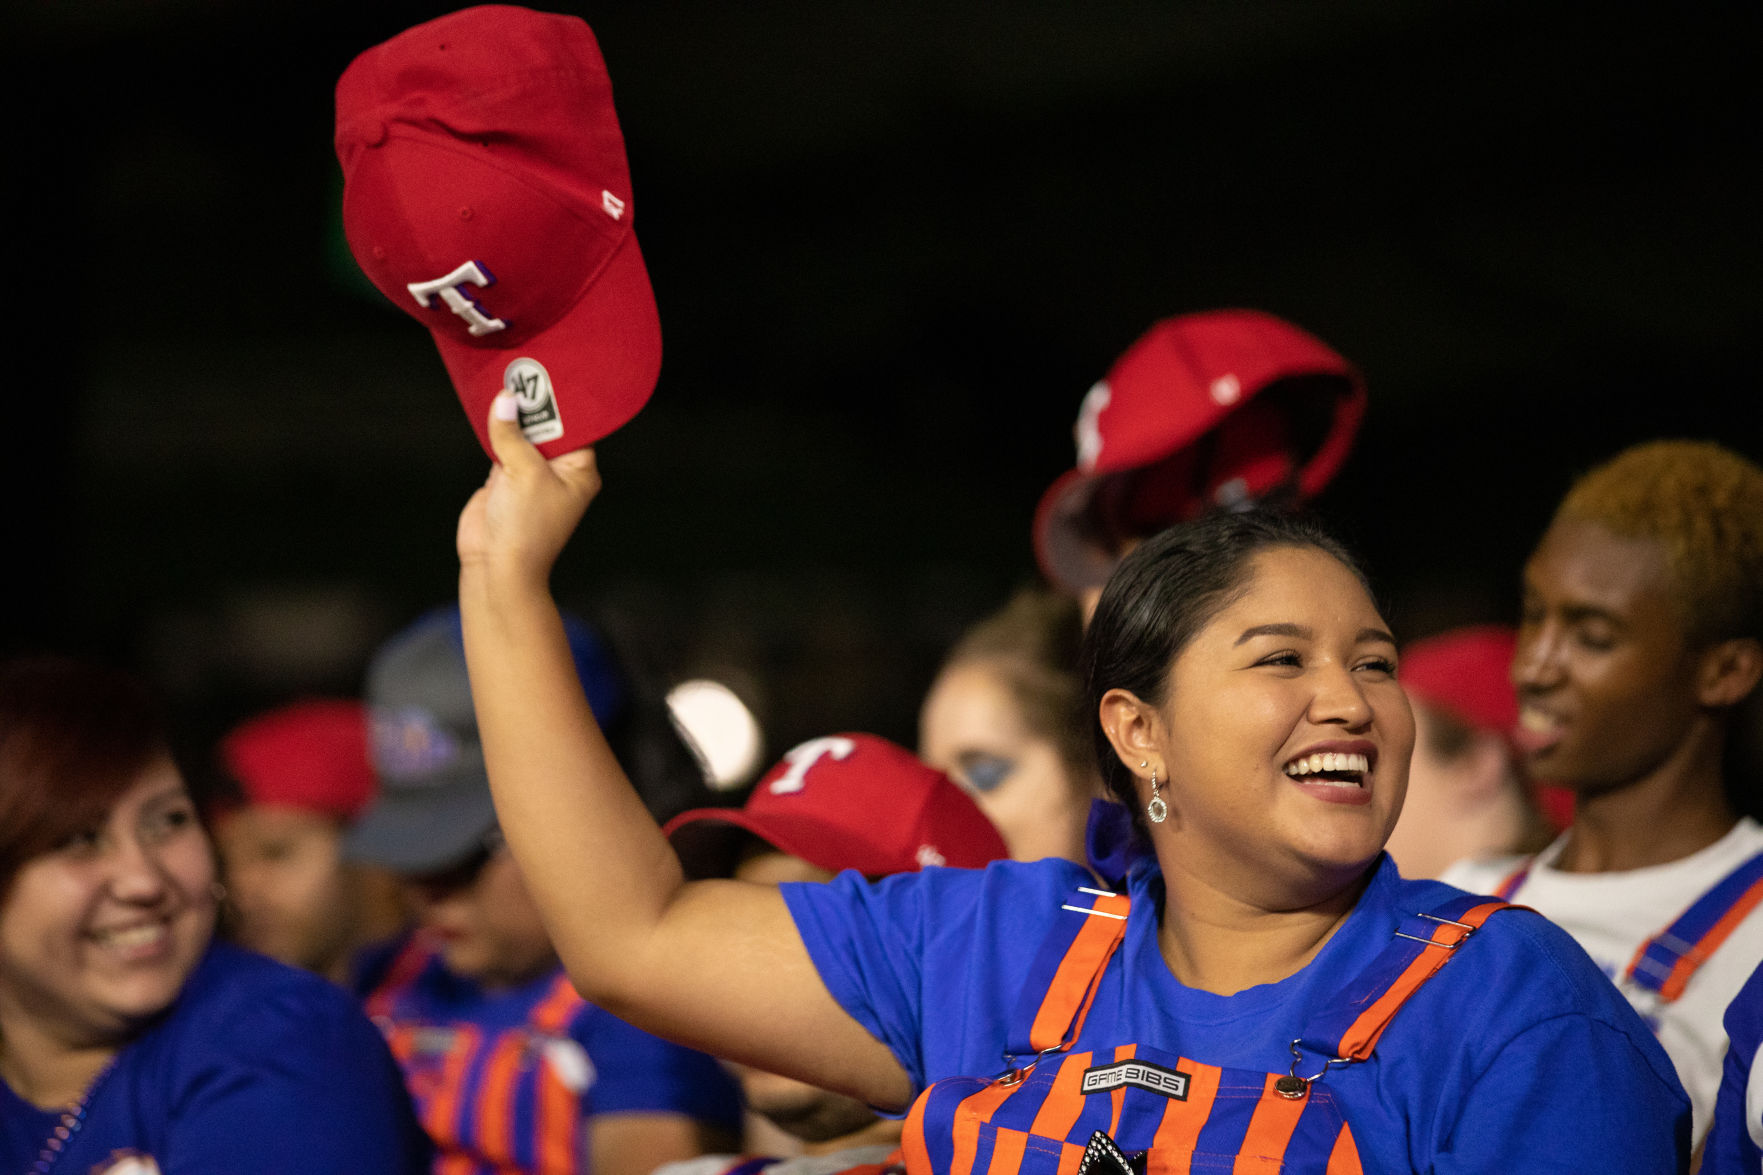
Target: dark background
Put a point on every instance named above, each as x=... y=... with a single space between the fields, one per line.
x=893 y=244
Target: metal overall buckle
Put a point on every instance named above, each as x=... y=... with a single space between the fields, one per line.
x=1015 y=1074
x=1465 y=927
x=1292 y=1087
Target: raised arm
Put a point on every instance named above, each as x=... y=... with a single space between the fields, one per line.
x=716 y=965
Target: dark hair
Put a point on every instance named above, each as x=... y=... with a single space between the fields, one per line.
x=1163 y=594
x=73 y=737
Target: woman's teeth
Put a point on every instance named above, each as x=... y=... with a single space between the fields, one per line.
x=130 y=937
x=1329 y=761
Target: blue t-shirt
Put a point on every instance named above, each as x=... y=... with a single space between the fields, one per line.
x=257 y=1067
x=1738 y=1112
x=1517 y=1056
x=504 y=1080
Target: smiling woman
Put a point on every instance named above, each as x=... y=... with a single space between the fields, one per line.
x=1265 y=991
x=128 y=1041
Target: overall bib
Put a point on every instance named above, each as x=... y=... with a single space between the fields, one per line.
x=1135 y=1109
x=469 y=1085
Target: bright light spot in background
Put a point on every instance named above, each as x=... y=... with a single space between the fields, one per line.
x=718 y=726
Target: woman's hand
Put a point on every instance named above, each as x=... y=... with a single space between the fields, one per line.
x=518 y=523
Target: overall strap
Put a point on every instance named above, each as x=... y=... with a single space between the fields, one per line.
x=552 y=1014
x=1423 y=943
x=1062 y=981
x=557 y=1107
x=1666 y=961
x=1514 y=880
x=405 y=966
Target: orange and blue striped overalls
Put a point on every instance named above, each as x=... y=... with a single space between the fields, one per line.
x=1133 y=1108
x=491 y=1101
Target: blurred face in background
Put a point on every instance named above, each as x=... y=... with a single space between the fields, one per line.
x=1464 y=799
x=972 y=728
x=99 y=934
x=482 y=918
x=294 y=896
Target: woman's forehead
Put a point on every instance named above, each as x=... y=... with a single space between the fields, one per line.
x=1301 y=588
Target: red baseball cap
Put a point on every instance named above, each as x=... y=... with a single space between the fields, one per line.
x=310 y=755
x=1219 y=408
x=486 y=193
x=849 y=801
x=1468 y=673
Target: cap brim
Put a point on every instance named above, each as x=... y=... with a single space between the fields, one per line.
x=603 y=357
x=708 y=842
x=1068 y=558
x=427 y=833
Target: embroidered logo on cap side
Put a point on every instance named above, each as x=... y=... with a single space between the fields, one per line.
x=410 y=743
x=802 y=758
x=531 y=384
x=450 y=288
x=1171 y=1083
x=1089 y=425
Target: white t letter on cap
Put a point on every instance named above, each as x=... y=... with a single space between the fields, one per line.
x=802 y=758
x=462 y=304
x=1089 y=425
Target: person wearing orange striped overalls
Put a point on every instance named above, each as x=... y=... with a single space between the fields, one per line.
x=1264 y=993
x=510 y=1070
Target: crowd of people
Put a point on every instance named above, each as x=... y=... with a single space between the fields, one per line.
x=1196 y=865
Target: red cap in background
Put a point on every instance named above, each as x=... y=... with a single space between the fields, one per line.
x=486 y=193
x=310 y=755
x=1182 y=411
x=1467 y=672
x=849 y=801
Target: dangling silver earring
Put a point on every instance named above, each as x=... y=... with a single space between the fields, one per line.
x=1157 y=810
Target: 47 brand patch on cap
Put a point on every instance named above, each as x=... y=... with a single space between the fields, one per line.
x=1171 y=1083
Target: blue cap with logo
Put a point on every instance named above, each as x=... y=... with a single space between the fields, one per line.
x=434 y=810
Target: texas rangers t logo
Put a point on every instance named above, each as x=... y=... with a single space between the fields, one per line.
x=1088 y=430
x=477 y=320
x=804 y=757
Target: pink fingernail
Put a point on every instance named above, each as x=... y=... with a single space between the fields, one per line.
x=504 y=407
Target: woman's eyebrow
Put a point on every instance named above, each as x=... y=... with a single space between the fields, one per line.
x=1302 y=633
x=1296 y=631
x=170 y=795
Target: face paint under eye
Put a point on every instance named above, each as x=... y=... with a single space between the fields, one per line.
x=985 y=772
